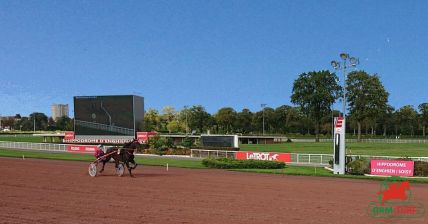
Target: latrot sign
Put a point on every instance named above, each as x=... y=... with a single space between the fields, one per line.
x=267 y=156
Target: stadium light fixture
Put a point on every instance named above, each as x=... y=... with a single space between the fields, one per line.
x=335 y=64
x=354 y=61
x=344 y=56
x=340 y=133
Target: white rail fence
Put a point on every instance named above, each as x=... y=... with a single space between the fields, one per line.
x=391 y=141
x=34 y=146
x=369 y=157
x=297 y=158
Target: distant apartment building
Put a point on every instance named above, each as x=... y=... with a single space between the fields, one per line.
x=59 y=110
x=7 y=122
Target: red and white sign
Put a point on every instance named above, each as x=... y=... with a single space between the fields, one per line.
x=392 y=167
x=69 y=135
x=143 y=137
x=339 y=124
x=98 y=141
x=81 y=148
x=269 y=156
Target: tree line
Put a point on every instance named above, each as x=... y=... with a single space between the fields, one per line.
x=313 y=96
x=39 y=122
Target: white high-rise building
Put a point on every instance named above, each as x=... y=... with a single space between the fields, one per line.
x=59 y=110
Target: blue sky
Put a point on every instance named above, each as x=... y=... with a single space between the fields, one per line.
x=214 y=53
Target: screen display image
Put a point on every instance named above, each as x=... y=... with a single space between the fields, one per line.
x=218 y=141
x=108 y=115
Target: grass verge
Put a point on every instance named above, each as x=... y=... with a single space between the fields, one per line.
x=159 y=161
x=156 y=161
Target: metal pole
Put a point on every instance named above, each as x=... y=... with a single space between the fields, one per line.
x=344 y=89
x=263 y=121
x=34 y=122
x=263 y=105
x=187 y=124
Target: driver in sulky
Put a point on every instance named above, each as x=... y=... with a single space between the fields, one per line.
x=99 y=151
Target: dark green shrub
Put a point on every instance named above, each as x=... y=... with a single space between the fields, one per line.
x=160 y=144
x=225 y=163
x=421 y=168
x=187 y=142
x=142 y=147
x=358 y=167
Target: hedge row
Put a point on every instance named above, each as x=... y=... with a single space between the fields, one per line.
x=225 y=163
x=421 y=168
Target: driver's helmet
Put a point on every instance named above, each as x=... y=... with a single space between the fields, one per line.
x=101 y=147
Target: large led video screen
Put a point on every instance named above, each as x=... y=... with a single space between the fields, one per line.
x=220 y=140
x=108 y=115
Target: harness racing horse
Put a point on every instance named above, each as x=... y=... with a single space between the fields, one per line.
x=123 y=155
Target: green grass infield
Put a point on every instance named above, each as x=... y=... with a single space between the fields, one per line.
x=162 y=161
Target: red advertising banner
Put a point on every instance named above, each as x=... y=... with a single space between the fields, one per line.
x=143 y=137
x=392 y=167
x=69 y=135
x=270 y=156
x=81 y=148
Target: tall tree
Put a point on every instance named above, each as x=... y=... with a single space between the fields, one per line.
x=266 y=114
x=64 y=123
x=386 y=119
x=40 y=121
x=407 y=116
x=367 y=97
x=24 y=124
x=423 y=110
x=315 y=92
x=199 y=120
x=283 y=117
x=243 y=122
x=169 y=115
x=225 y=118
x=152 y=120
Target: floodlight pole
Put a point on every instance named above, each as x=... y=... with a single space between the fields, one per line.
x=187 y=123
x=263 y=105
x=339 y=139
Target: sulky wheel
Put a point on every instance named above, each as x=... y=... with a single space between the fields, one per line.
x=92 y=169
x=120 y=169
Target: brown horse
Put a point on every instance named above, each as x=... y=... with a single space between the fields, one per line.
x=123 y=155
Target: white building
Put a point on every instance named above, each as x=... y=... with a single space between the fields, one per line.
x=59 y=110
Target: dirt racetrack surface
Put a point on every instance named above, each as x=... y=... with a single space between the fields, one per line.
x=47 y=191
